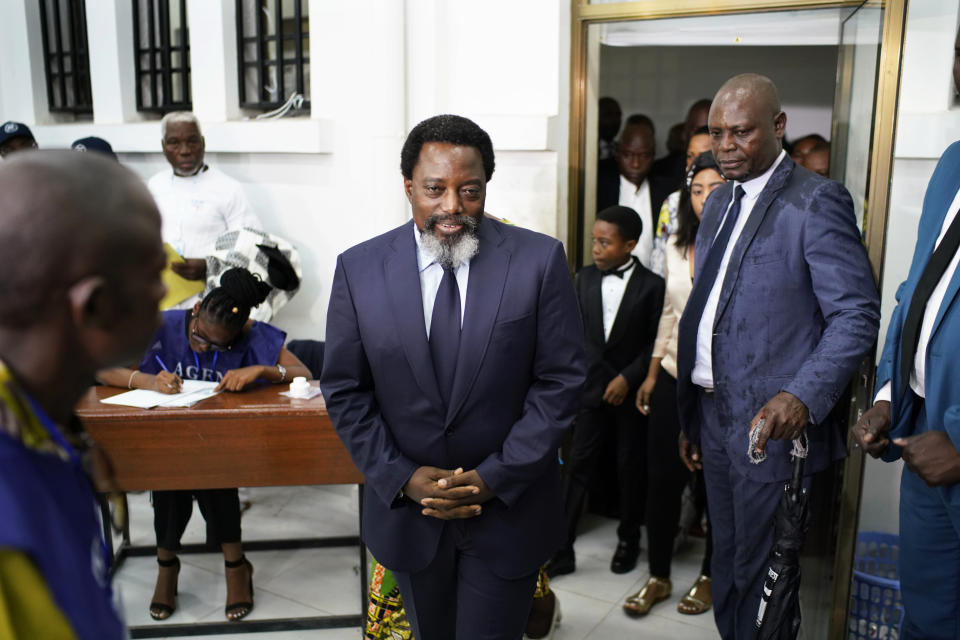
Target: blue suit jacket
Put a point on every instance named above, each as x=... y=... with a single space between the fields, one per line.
x=515 y=392
x=942 y=380
x=798 y=311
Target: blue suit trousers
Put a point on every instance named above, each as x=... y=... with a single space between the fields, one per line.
x=929 y=554
x=741 y=523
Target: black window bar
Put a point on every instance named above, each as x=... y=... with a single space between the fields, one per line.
x=273 y=41
x=161 y=55
x=66 y=61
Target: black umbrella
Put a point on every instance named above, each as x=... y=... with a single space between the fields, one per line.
x=779 y=615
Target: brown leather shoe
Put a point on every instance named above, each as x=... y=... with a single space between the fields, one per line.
x=544 y=617
x=656 y=590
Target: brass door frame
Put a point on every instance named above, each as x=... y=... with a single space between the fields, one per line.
x=583 y=15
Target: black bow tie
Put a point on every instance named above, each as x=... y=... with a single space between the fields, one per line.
x=618 y=272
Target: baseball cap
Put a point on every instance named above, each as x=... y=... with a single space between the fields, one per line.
x=11 y=129
x=94 y=143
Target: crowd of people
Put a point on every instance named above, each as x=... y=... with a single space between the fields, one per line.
x=728 y=304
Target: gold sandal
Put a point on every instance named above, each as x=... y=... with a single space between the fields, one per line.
x=698 y=599
x=656 y=590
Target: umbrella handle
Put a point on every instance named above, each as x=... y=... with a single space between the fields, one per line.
x=796 y=481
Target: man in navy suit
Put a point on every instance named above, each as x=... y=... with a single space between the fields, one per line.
x=916 y=414
x=452 y=370
x=782 y=311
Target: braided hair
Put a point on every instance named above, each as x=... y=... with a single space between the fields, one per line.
x=230 y=303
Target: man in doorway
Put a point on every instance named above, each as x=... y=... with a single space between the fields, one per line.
x=452 y=370
x=670 y=168
x=782 y=311
x=198 y=203
x=628 y=183
x=14 y=137
x=915 y=415
x=81 y=255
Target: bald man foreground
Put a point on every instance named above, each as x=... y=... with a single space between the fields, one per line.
x=783 y=309
x=80 y=257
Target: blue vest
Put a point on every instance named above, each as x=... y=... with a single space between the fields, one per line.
x=49 y=512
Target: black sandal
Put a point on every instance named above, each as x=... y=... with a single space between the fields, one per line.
x=240 y=608
x=162 y=610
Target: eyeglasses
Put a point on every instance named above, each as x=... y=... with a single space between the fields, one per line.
x=213 y=346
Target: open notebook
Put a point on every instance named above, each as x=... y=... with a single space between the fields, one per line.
x=193 y=392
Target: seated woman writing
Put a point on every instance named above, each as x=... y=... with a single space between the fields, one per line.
x=213 y=341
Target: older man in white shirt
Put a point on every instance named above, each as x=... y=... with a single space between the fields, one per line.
x=197 y=202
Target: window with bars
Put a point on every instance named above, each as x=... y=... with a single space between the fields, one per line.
x=162 y=55
x=273 y=44
x=66 y=62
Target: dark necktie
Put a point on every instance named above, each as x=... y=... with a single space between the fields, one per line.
x=711 y=267
x=445 y=332
x=929 y=279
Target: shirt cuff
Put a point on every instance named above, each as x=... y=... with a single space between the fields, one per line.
x=883 y=394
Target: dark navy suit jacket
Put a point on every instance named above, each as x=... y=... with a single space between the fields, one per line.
x=942 y=379
x=515 y=392
x=798 y=311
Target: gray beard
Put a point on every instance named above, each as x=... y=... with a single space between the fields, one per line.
x=451 y=252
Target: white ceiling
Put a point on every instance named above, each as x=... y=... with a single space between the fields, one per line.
x=780 y=28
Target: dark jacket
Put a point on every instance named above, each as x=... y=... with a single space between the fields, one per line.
x=634 y=330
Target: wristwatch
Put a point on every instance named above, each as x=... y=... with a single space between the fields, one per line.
x=283 y=372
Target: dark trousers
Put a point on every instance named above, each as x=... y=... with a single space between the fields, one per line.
x=592 y=424
x=666 y=477
x=741 y=524
x=458 y=596
x=929 y=554
x=172 y=510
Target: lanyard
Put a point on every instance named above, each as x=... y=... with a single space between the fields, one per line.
x=196 y=360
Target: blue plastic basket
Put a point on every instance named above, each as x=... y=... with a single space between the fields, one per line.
x=876 y=611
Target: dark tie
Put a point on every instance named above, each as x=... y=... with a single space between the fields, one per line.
x=711 y=267
x=929 y=279
x=445 y=332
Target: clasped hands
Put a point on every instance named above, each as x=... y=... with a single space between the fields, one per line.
x=931 y=454
x=446 y=494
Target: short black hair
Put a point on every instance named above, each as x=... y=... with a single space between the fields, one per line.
x=451 y=129
x=627 y=221
x=701 y=131
x=640 y=120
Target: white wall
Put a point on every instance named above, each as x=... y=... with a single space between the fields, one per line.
x=927 y=122
x=664 y=81
x=332 y=180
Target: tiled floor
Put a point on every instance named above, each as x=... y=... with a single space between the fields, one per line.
x=325 y=581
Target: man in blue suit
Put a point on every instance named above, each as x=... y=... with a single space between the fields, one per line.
x=916 y=414
x=452 y=370
x=783 y=309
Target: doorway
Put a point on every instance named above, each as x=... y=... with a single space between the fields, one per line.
x=836 y=65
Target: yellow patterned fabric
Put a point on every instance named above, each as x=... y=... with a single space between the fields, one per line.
x=27 y=609
x=386 y=618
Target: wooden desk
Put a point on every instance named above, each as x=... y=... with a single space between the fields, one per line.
x=257 y=438
x=250 y=439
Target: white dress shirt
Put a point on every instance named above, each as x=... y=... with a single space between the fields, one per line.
x=918 y=375
x=195 y=210
x=431 y=273
x=638 y=199
x=611 y=293
x=703 y=368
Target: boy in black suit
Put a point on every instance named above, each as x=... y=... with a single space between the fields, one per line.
x=620 y=303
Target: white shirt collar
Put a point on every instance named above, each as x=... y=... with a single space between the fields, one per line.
x=754 y=186
x=626 y=185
